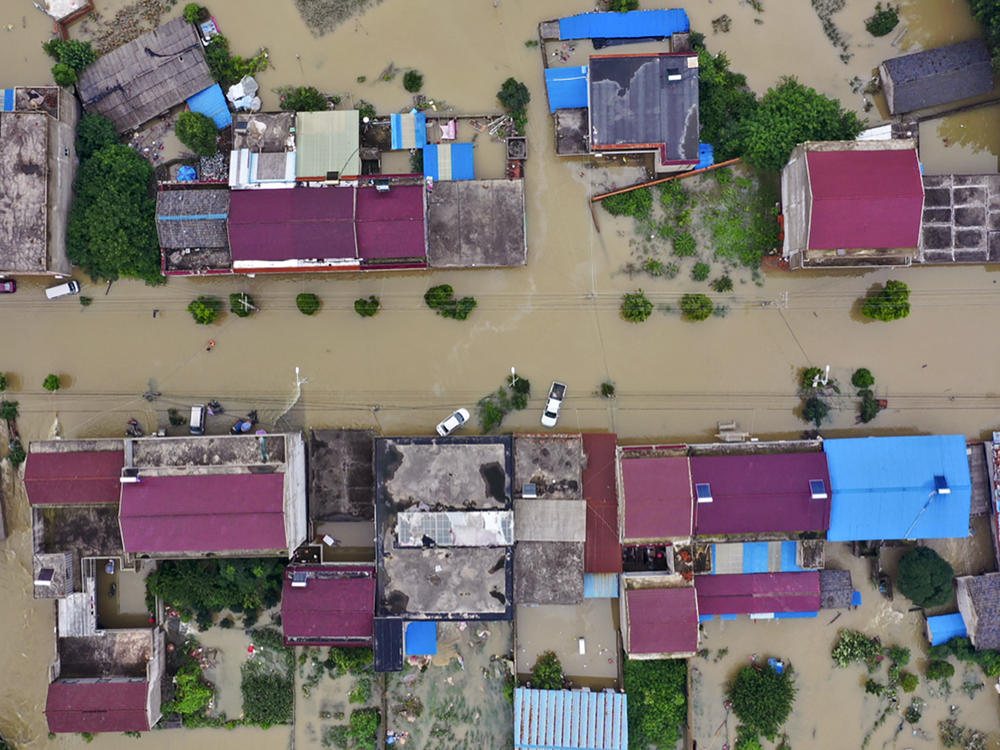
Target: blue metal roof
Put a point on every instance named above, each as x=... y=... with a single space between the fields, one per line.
x=421 y=638
x=883 y=488
x=570 y=719
x=6 y=100
x=409 y=130
x=449 y=161
x=943 y=628
x=600 y=585
x=567 y=87
x=211 y=103
x=635 y=24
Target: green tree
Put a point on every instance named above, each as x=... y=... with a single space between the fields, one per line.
x=367 y=308
x=700 y=271
x=620 y=6
x=908 y=681
x=307 y=303
x=193 y=13
x=205 y=310
x=938 y=669
x=696 y=307
x=241 y=305
x=3 y=382
x=63 y=75
x=547 y=674
x=363 y=727
x=302 y=99
x=227 y=68
x=722 y=284
x=192 y=694
x=204 y=587
x=413 y=81
x=853 y=646
x=869 y=408
x=684 y=244
x=637 y=203
x=52 y=382
x=514 y=95
x=925 y=577
x=762 y=699
x=791 y=114
x=862 y=378
x=815 y=410
x=883 y=20
x=725 y=103
x=891 y=302
x=441 y=299
x=657 y=702
x=112 y=227
x=77 y=54
x=17 y=454
x=94 y=132
x=636 y=307
x=198 y=133
x=8 y=410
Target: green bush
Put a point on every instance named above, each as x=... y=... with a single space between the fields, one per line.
x=367 y=308
x=52 y=382
x=205 y=310
x=198 y=133
x=268 y=698
x=413 y=81
x=869 y=408
x=684 y=244
x=73 y=53
x=94 y=132
x=654 y=267
x=227 y=68
x=64 y=75
x=862 y=378
x=193 y=13
x=490 y=415
x=547 y=674
x=442 y=300
x=636 y=307
x=192 y=694
x=241 y=304
x=883 y=20
x=925 y=577
x=908 y=681
x=963 y=650
x=762 y=699
x=363 y=728
x=807 y=376
x=722 y=284
x=343 y=660
x=3 y=382
x=815 y=410
x=8 y=410
x=16 y=455
x=636 y=203
x=891 y=302
x=514 y=96
x=873 y=687
x=657 y=704
x=607 y=389
x=86 y=301
x=620 y=6
x=307 y=303
x=938 y=669
x=436 y=297
x=899 y=655
x=700 y=271
x=209 y=586
x=361 y=693
x=302 y=99
x=853 y=646
x=367 y=109
x=696 y=307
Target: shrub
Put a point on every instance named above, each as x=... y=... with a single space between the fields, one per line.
x=367 y=308
x=228 y=69
x=51 y=382
x=908 y=681
x=302 y=99
x=636 y=307
x=636 y=203
x=3 y=382
x=872 y=687
x=808 y=376
x=547 y=674
x=700 y=271
x=197 y=132
x=367 y=109
x=963 y=650
x=442 y=300
x=307 y=303
x=76 y=54
x=657 y=706
x=883 y=20
x=514 y=96
x=490 y=415
x=86 y=301
x=437 y=296
x=363 y=727
x=349 y=660
x=696 y=306
x=762 y=699
x=241 y=304
x=16 y=455
x=654 y=267
x=413 y=81
x=862 y=378
x=722 y=284
x=620 y=6
x=815 y=410
x=191 y=693
x=8 y=410
x=892 y=302
x=937 y=669
x=607 y=389
x=205 y=310
x=869 y=407
x=852 y=646
x=94 y=132
x=193 y=13
x=899 y=655
x=63 y=74
x=684 y=244
x=925 y=577
x=362 y=692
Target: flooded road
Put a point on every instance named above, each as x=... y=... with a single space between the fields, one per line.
x=405 y=369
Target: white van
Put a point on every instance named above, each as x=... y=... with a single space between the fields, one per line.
x=70 y=287
x=198 y=419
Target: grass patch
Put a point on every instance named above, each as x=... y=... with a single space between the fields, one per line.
x=742 y=219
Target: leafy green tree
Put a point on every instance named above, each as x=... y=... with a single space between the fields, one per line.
x=791 y=114
x=547 y=674
x=883 y=20
x=869 y=408
x=64 y=75
x=636 y=307
x=17 y=454
x=925 y=577
x=303 y=99
x=198 y=133
x=227 y=68
x=762 y=699
x=908 y=681
x=898 y=654
x=413 y=81
x=367 y=109
x=112 y=227
x=938 y=669
x=657 y=702
x=77 y=54
x=987 y=15
x=853 y=646
x=808 y=376
x=8 y=410
x=52 y=382
x=684 y=244
x=437 y=296
x=696 y=307
x=241 y=305
x=363 y=727
x=192 y=693
x=490 y=415
x=94 y=132
x=725 y=103
x=205 y=310
x=193 y=13
x=815 y=410
x=722 y=284
x=441 y=299
x=700 y=271
x=307 y=303
x=514 y=95
x=637 y=203
x=891 y=302
x=367 y=308
x=620 y=6
x=204 y=587
x=963 y=650
x=862 y=378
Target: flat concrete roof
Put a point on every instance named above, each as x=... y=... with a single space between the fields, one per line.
x=474 y=223
x=550 y=520
x=341 y=475
x=572 y=130
x=548 y=573
x=117 y=653
x=85 y=531
x=553 y=463
x=24 y=142
x=209 y=452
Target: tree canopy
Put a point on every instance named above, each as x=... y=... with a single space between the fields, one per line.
x=657 y=702
x=94 y=132
x=303 y=99
x=725 y=102
x=891 y=302
x=762 y=699
x=987 y=15
x=198 y=133
x=547 y=674
x=925 y=577
x=697 y=306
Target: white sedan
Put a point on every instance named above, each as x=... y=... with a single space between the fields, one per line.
x=453 y=422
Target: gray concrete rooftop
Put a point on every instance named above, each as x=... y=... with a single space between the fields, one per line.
x=74 y=446
x=961 y=219
x=341 y=475
x=476 y=223
x=553 y=463
x=84 y=531
x=548 y=573
x=208 y=451
x=572 y=130
x=24 y=140
x=264 y=131
x=117 y=653
x=550 y=520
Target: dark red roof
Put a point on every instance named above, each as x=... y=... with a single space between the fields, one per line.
x=118 y=706
x=336 y=606
x=76 y=477
x=290 y=224
x=864 y=199
x=204 y=513
x=758 y=592
x=761 y=494
x=391 y=225
x=602 y=552
x=657 y=499
x=662 y=621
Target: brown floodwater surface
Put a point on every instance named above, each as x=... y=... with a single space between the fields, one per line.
x=406 y=369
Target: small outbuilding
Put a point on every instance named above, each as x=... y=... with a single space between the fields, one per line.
x=937 y=76
x=570 y=719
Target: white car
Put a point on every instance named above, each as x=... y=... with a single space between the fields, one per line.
x=557 y=392
x=452 y=423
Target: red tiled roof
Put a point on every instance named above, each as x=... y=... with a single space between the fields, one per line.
x=77 y=477
x=761 y=493
x=204 y=513
x=662 y=621
x=602 y=552
x=657 y=498
x=864 y=199
x=758 y=592
x=391 y=225
x=331 y=606
x=118 y=706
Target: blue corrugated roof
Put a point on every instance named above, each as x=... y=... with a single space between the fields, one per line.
x=943 y=628
x=211 y=103
x=635 y=24
x=570 y=719
x=421 y=638
x=600 y=585
x=794 y=615
x=883 y=488
x=567 y=87
x=8 y=100
x=408 y=130
x=449 y=161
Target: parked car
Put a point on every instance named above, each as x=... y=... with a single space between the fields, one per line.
x=557 y=392
x=8 y=286
x=197 y=423
x=61 y=290
x=452 y=423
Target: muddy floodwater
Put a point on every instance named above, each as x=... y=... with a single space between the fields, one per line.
x=406 y=369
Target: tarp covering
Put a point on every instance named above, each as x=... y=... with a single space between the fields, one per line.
x=211 y=103
x=635 y=24
x=449 y=161
x=600 y=585
x=943 y=628
x=706 y=155
x=409 y=130
x=567 y=87
x=421 y=638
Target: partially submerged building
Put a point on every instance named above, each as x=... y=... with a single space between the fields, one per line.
x=476 y=224
x=936 y=76
x=979 y=605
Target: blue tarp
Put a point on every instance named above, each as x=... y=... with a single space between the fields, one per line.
x=883 y=488
x=211 y=103
x=755 y=557
x=706 y=155
x=635 y=24
x=421 y=638
x=856 y=599
x=409 y=130
x=729 y=617
x=705 y=618
x=187 y=173
x=449 y=161
x=943 y=628
x=600 y=585
x=567 y=87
